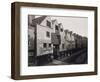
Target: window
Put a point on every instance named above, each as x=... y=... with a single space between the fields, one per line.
x=44 y=45
x=48 y=24
x=29 y=40
x=61 y=30
x=63 y=46
x=48 y=34
x=56 y=27
x=49 y=45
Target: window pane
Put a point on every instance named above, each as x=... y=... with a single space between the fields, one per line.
x=48 y=34
x=56 y=27
x=61 y=30
x=44 y=45
x=49 y=45
x=63 y=46
x=48 y=24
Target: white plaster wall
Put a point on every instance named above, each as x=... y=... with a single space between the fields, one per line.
x=44 y=22
x=42 y=38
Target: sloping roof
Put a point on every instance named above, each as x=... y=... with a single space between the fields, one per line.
x=53 y=21
x=38 y=20
x=60 y=24
x=66 y=31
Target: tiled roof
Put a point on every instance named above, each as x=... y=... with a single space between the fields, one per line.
x=53 y=21
x=38 y=20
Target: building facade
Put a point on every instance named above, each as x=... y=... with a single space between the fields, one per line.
x=49 y=40
x=31 y=41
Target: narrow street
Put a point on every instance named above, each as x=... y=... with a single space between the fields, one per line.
x=79 y=57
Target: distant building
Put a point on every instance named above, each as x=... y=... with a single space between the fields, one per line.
x=62 y=35
x=68 y=39
x=31 y=41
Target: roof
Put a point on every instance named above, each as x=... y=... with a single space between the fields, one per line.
x=38 y=20
x=60 y=24
x=66 y=31
x=53 y=21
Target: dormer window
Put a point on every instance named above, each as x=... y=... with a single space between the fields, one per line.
x=48 y=23
x=61 y=30
x=56 y=27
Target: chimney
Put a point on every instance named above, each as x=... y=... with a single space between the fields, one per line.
x=30 y=18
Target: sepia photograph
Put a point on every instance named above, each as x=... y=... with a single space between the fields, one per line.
x=50 y=40
x=57 y=40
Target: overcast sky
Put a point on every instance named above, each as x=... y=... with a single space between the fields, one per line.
x=78 y=25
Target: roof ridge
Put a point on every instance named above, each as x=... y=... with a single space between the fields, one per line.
x=39 y=19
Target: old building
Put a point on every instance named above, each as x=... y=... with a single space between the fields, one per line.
x=62 y=45
x=56 y=38
x=44 y=46
x=72 y=41
x=68 y=39
x=31 y=41
x=48 y=40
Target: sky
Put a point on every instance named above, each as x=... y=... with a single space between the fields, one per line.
x=78 y=25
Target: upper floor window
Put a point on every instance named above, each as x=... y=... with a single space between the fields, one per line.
x=61 y=30
x=50 y=45
x=48 y=23
x=56 y=27
x=63 y=46
x=48 y=34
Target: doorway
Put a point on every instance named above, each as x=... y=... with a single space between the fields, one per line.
x=55 y=51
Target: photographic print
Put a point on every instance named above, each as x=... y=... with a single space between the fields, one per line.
x=50 y=40
x=55 y=40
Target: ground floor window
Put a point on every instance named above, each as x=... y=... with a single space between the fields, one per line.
x=50 y=45
x=63 y=46
x=44 y=45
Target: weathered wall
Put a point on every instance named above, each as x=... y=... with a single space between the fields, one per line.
x=42 y=38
